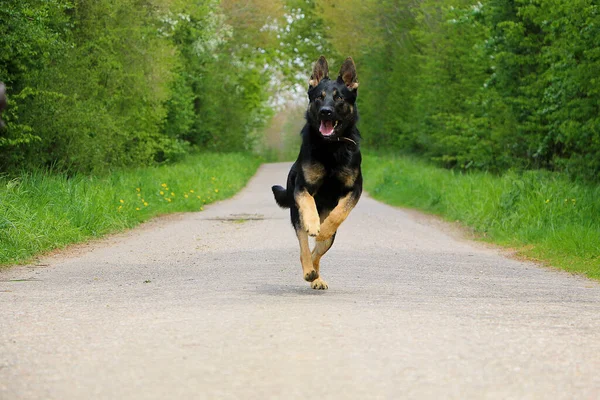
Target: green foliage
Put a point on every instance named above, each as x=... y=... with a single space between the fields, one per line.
x=218 y=83
x=30 y=33
x=303 y=39
x=541 y=214
x=40 y=211
x=494 y=84
x=96 y=85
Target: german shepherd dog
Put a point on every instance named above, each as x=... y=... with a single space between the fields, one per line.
x=325 y=182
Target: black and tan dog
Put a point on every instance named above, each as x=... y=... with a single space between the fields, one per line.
x=325 y=182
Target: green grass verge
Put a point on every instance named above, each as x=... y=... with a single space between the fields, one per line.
x=543 y=215
x=41 y=211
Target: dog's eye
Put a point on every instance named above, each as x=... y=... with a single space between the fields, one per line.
x=338 y=97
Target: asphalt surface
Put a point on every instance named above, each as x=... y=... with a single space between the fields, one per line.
x=212 y=305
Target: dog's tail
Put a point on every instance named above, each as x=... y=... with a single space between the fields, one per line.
x=281 y=196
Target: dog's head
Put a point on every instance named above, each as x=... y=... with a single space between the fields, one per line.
x=332 y=109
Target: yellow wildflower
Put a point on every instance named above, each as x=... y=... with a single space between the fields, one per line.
x=547 y=201
x=168 y=199
x=164 y=185
x=172 y=194
x=191 y=191
x=122 y=201
x=137 y=209
x=216 y=190
x=185 y=195
x=161 y=192
x=145 y=204
x=138 y=189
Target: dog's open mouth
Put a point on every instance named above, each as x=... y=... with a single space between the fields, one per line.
x=328 y=127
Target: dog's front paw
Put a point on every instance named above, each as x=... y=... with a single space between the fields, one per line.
x=312 y=225
x=311 y=275
x=319 y=284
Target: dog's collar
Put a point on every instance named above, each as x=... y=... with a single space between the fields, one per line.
x=340 y=138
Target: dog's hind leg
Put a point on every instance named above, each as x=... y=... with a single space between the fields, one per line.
x=321 y=247
x=310 y=274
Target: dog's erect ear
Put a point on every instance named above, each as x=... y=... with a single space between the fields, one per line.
x=320 y=72
x=348 y=74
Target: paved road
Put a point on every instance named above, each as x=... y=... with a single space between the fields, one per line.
x=212 y=305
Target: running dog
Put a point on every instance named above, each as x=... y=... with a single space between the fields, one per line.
x=325 y=182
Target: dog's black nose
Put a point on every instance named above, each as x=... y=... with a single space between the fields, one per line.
x=326 y=112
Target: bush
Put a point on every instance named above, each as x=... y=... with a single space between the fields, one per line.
x=96 y=85
x=495 y=84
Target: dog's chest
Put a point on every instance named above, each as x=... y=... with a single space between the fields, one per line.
x=318 y=175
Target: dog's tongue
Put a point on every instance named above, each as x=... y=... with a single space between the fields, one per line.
x=326 y=128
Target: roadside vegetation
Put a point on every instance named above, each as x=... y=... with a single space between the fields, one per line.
x=478 y=84
x=120 y=111
x=494 y=101
x=485 y=112
x=542 y=215
x=40 y=211
x=98 y=85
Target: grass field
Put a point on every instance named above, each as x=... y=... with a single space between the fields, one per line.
x=543 y=215
x=42 y=211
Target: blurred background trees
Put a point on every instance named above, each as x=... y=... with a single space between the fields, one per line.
x=99 y=84
x=492 y=85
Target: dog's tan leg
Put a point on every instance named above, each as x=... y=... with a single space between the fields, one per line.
x=321 y=247
x=310 y=274
x=309 y=217
x=337 y=216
